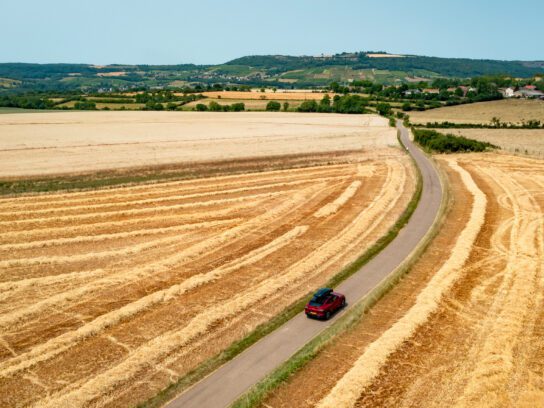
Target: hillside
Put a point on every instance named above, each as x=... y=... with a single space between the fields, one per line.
x=272 y=70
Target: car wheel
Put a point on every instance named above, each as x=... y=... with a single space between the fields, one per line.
x=343 y=303
x=327 y=315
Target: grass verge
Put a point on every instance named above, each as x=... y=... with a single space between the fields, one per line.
x=259 y=392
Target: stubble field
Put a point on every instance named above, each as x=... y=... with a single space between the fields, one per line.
x=519 y=141
x=507 y=110
x=270 y=96
x=67 y=142
x=108 y=296
x=465 y=328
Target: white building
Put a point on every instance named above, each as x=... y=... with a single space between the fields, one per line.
x=508 y=92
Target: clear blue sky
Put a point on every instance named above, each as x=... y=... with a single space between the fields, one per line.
x=215 y=31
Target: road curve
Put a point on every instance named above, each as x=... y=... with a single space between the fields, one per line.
x=222 y=387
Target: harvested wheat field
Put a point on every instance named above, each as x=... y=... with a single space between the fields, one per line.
x=107 y=296
x=269 y=95
x=68 y=142
x=523 y=141
x=465 y=328
x=250 y=104
x=507 y=110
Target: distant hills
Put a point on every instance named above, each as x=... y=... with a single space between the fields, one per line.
x=260 y=70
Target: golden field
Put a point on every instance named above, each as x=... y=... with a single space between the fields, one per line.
x=507 y=110
x=108 y=296
x=520 y=141
x=465 y=327
x=69 y=142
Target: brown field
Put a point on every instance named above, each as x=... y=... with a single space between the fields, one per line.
x=466 y=327
x=107 y=296
x=251 y=104
x=522 y=141
x=270 y=96
x=67 y=142
x=507 y=110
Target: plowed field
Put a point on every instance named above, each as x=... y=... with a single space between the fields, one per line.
x=107 y=296
x=466 y=327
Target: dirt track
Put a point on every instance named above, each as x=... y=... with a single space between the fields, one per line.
x=107 y=296
x=481 y=344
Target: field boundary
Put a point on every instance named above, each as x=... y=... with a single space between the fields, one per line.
x=291 y=311
x=255 y=396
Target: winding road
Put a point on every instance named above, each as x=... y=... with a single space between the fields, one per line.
x=222 y=387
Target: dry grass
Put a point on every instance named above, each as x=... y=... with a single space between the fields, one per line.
x=507 y=110
x=68 y=142
x=108 y=296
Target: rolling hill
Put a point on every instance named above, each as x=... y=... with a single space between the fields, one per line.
x=272 y=70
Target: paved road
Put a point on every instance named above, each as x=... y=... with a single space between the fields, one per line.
x=226 y=384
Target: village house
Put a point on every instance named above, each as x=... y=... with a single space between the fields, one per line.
x=411 y=92
x=529 y=94
x=507 y=92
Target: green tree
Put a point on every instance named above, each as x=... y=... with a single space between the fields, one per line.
x=349 y=104
x=273 y=106
x=215 y=107
x=383 y=108
x=201 y=107
x=308 y=106
x=238 y=107
x=325 y=104
x=407 y=107
x=285 y=106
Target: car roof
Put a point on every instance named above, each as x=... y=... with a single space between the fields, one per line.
x=323 y=292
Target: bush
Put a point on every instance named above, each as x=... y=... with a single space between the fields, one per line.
x=325 y=104
x=273 y=106
x=237 y=107
x=406 y=107
x=383 y=109
x=349 y=104
x=215 y=107
x=308 y=106
x=201 y=107
x=285 y=106
x=437 y=142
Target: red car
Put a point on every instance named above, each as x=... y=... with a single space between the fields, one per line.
x=324 y=303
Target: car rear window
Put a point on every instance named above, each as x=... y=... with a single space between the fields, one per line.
x=318 y=301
